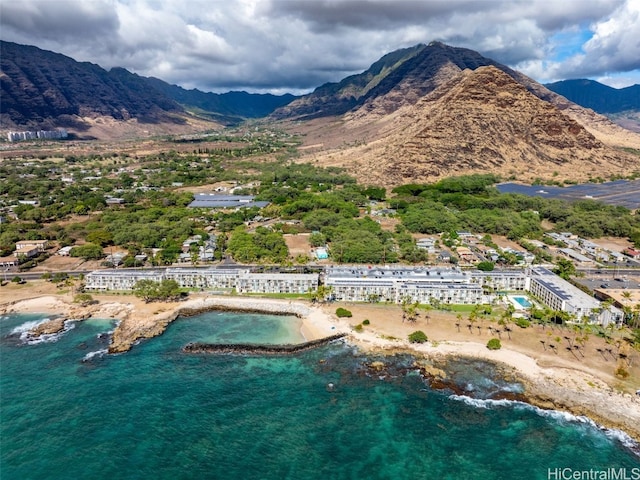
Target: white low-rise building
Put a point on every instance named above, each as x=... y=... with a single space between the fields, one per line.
x=241 y=280
x=119 y=280
x=558 y=294
x=397 y=284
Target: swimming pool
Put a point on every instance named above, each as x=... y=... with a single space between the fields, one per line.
x=522 y=301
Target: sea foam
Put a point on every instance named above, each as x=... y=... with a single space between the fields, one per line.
x=557 y=415
x=24 y=332
x=99 y=353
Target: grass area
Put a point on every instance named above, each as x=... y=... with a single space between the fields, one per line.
x=289 y=296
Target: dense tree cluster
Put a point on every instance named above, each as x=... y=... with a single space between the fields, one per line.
x=471 y=203
x=262 y=246
x=151 y=291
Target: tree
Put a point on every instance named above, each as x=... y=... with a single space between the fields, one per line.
x=418 y=337
x=150 y=290
x=317 y=239
x=88 y=251
x=84 y=299
x=100 y=237
x=485 y=266
x=564 y=268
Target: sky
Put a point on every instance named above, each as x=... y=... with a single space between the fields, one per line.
x=293 y=46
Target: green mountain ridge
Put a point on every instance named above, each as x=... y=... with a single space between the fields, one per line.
x=598 y=97
x=43 y=89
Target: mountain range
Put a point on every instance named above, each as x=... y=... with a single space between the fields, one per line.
x=41 y=89
x=417 y=114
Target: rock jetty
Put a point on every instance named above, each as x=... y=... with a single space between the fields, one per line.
x=259 y=349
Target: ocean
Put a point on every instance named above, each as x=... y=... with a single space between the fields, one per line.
x=70 y=411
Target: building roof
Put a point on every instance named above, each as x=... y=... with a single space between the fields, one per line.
x=563 y=289
x=213 y=200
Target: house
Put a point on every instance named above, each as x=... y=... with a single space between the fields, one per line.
x=26 y=252
x=632 y=252
x=8 y=262
x=428 y=244
x=466 y=255
x=444 y=256
x=40 y=245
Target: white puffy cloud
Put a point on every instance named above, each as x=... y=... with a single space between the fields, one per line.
x=296 y=45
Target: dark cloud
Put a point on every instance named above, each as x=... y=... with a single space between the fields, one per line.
x=62 y=20
x=297 y=45
x=328 y=15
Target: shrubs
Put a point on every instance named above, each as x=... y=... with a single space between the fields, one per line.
x=494 y=344
x=366 y=321
x=522 y=322
x=418 y=337
x=343 y=312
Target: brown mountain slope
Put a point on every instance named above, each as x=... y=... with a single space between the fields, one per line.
x=477 y=121
x=401 y=78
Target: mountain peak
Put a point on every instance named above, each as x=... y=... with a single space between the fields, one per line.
x=405 y=75
x=476 y=121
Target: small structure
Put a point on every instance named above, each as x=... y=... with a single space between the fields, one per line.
x=65 y=251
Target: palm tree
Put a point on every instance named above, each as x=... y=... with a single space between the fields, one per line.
x=427 y=309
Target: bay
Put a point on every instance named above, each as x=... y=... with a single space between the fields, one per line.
x=70 y=411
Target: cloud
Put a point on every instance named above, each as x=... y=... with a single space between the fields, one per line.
x=297 y=45
x=611 y=48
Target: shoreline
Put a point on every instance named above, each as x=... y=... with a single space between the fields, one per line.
x=570 y=388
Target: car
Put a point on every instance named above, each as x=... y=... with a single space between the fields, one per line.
x=604 y=285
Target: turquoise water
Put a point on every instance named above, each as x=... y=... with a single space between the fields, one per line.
x=158 y=413
x=522 y=301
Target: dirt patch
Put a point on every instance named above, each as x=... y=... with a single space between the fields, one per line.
x=614 y=244
x=298 y=244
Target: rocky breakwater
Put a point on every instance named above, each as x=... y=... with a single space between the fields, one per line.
x=259 y=349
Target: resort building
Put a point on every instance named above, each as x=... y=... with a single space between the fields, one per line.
x=502 y=280
x=240 y=280
x=279 y=283
x=119 y=280
x=206 y=278
x=558 y=294
x=394 y=284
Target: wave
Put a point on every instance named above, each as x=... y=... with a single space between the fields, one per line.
x=557 y=415
x=24 y=332
x=486 y=402
x=99 y=353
